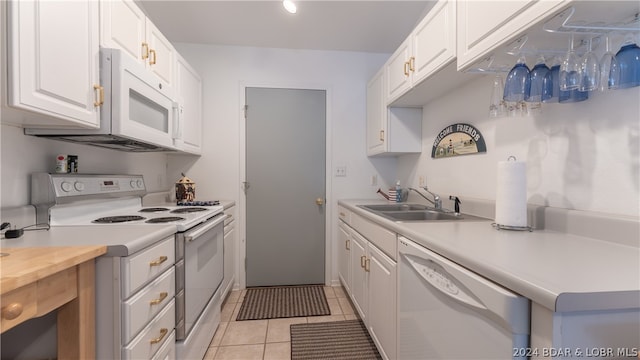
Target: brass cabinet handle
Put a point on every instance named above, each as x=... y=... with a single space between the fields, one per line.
x=367 y=264
x=100 y=92
x=362 y=261
x=405 y=68
x=346 y=245
x=157 y=301
x=152 y=61
x=163 y=333
x=381 y=135
x=412 y=63
x=12 y=311
x=342 y=214
x=160 y=260
x=145 y=51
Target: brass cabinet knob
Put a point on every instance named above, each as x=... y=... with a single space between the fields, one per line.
x=12 y=311
x=319 y=201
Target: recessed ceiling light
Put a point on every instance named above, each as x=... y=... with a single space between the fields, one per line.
x=290 y=6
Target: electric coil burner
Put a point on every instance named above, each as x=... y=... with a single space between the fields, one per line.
x=118 y=219
x=165 y=219
x=153 y=210
x=188 y=210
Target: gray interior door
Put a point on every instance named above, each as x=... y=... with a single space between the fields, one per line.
x=285 y=172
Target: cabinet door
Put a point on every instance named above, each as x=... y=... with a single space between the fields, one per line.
x=434 y=40
x=484 y=25
x=162 y=55
x=344 y=255
x=376 y=115
x=359 y=278
x=229 y=257
x=122 y=26
x=189 y=96
x=54 y=59
x=398 y=71
x=382 y=300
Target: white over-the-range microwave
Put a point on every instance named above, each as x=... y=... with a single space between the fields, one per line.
x=138 y=113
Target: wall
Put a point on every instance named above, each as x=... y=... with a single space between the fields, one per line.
x=23 y=155
x=583 y=156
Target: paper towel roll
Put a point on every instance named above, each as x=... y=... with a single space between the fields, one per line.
x=511 y=194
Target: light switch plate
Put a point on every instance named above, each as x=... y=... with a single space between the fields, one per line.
x=341 y=171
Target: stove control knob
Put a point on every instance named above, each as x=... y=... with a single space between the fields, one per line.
x=66 y=186
x=79 y=186
x=134 y=184
x=140 y=183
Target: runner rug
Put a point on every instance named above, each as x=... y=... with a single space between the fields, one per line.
x=337 y=340
x=283 y=302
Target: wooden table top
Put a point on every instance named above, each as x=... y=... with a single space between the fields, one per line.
x=23 y=266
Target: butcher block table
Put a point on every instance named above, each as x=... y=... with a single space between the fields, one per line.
x=37 y=280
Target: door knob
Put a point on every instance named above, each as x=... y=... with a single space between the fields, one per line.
x=319 y=201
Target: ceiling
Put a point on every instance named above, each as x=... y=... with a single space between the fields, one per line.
x=364 y=26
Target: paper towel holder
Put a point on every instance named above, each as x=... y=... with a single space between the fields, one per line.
x=508 y=227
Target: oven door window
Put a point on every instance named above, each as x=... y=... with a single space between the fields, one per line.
x=204 y=269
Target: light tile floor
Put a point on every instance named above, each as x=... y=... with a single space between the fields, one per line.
x=267 y=339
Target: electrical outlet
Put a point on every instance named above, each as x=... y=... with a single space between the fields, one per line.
x=421 y=181
x=374 y=180
x=341 y=171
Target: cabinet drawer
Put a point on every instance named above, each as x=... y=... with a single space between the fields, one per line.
x=344 y=214
x=384 y=239
x=142 y=267
x=168 y=350
x=144 y=305
x=152 y=337
x=18 y=305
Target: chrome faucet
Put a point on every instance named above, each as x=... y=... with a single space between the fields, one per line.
x=437 y=202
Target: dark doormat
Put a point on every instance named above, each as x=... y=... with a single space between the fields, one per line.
x=283 y=302
x=336 y=340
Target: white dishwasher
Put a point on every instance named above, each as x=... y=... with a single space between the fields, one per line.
x=449 y=312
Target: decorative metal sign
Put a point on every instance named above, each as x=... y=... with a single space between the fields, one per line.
x=458 y=139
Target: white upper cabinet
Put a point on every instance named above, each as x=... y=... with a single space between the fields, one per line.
x=376 y=114
x=429 y=47
x=124 y=26
x=390 y=130
x=485 y=25
x=53 y=63
x=188 y=134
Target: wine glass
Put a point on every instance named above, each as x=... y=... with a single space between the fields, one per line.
x=517 y=85
x=628 y=58
x=569 y=76
x=589 y=70
x=609 y=68
x=550 y=86
x=536 y=77
x=497 y=107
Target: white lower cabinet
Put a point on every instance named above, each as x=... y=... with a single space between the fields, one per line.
x=135 y=306
x=344 y=252
x=230 y=236
x=368 y=274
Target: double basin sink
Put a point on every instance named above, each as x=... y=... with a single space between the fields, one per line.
x=416 y=212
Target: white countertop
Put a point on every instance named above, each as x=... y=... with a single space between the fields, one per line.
x=119 y=240
x=559 y=271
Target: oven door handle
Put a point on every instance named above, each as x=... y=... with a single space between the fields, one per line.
x=208 y=225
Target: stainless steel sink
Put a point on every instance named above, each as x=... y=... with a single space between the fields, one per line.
x=394 y=207
x=416 y=213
